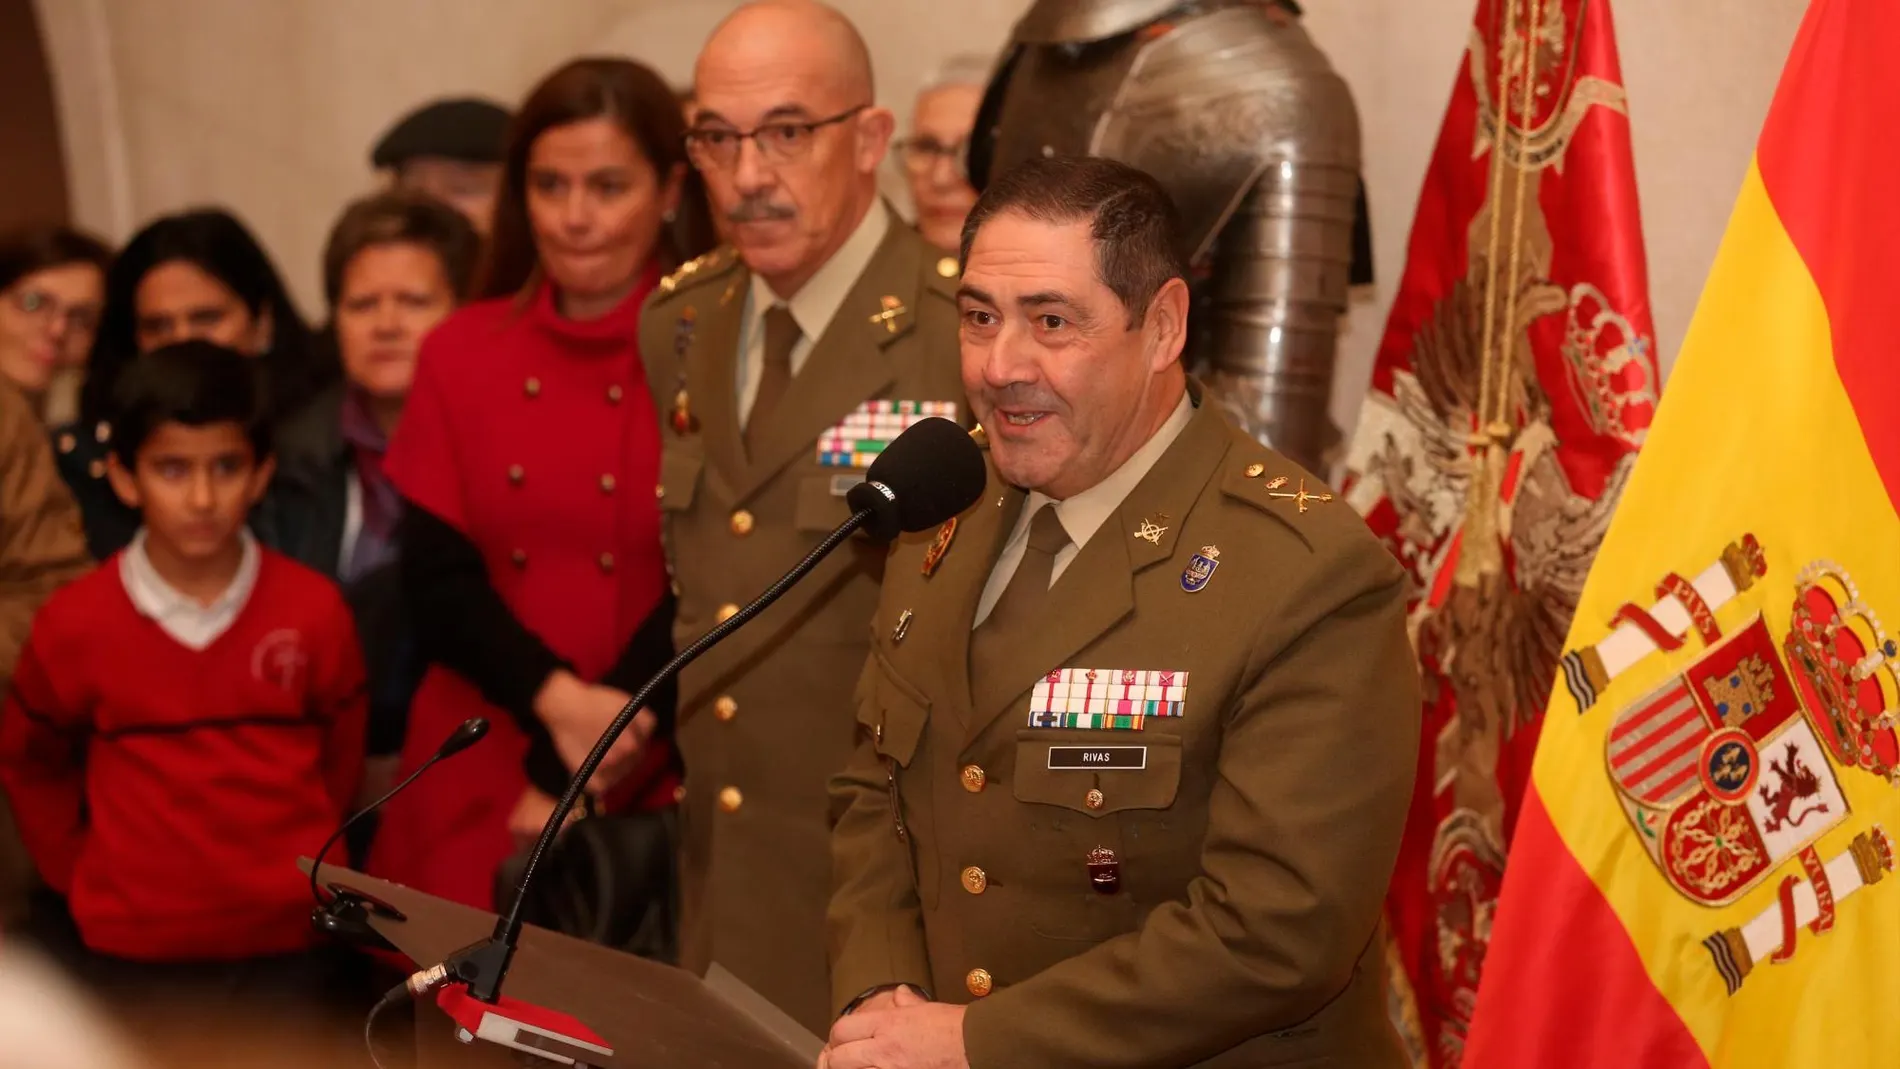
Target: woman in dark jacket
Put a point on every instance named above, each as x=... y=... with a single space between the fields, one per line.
x=530 y=540
x=396 y=264
x=196 y=274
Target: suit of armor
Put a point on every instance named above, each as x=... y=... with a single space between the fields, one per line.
x=1229 y=104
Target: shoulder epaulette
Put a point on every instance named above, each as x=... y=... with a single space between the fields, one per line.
x=707 y=264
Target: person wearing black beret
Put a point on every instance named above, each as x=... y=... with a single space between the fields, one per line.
x=450 y=149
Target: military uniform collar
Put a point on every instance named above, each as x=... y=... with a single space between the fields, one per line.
x=817 y=302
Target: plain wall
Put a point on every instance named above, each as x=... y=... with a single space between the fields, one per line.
x=270 y=106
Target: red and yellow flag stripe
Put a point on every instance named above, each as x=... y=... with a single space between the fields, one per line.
x=1746 y=928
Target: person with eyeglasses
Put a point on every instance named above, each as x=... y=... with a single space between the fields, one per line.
x=781 y=365
x=52 y=283
x=934 y=154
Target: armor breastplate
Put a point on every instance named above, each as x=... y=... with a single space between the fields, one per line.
x=1242 y=119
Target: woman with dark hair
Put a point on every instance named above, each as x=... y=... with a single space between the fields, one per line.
x=530 y=541
x=396 y=264
x=52 y=283
x=197 y=274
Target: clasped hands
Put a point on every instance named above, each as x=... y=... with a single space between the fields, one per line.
x=897 y=1029
x=576 y=714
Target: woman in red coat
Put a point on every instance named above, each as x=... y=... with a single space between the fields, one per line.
x=530 y=538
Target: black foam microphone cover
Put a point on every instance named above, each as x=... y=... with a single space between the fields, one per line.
x=927 y=474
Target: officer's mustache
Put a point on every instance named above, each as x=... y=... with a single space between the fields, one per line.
x=757 y=210
x=1024 y=396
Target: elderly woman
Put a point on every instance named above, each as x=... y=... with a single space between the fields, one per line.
x=396 y=264
x=935 y=151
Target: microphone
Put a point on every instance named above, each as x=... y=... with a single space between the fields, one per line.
x=927 y=475
x=346 y=913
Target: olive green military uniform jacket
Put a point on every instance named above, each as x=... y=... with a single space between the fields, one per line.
x=1201 y=889
x=766 y=717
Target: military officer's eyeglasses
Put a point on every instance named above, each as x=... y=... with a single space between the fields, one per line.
x=713 y=147
x=920 y=155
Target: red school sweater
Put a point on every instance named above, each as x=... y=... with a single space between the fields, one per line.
x=168 y=792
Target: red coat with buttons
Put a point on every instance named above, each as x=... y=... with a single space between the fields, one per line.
x=533 y=436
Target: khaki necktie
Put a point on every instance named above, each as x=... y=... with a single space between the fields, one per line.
x=775 y=374
x=1017 y=614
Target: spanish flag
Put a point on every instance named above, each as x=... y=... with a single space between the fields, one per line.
x=1703 y=874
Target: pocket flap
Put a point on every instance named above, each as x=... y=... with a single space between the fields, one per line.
x=679 y=478
x=1097 y=772
x=821 y=506
x=895 y=715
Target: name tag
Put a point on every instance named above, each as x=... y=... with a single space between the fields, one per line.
x=1098 y=757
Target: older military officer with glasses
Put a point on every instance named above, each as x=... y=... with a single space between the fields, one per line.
x=782 y=364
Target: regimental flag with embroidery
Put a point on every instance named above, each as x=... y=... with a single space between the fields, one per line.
x=1515 y=382
x=1703 y=874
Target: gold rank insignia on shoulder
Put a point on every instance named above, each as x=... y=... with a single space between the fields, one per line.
x=690 y=268
x=1301 y=497
x=939 y=547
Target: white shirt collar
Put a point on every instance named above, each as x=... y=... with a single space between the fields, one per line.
x=191 y=623
x=818 y=301
x=1084 y=513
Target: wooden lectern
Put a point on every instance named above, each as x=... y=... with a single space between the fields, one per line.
x=653 y=1016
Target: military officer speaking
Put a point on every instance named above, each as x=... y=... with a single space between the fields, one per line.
x=781 y=367
x=1138 y=730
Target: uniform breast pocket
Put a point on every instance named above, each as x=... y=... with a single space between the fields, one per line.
x=1084 y=788
x=821 y=507
x=679 y=479
x=893 y=714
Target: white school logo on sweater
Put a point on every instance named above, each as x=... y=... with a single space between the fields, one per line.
x=279 y=659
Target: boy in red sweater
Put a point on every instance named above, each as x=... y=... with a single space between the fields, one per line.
x=188 y=719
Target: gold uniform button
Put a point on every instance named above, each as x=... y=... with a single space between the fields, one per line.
x=520 y=557
x=725 y=708
x=615 y=393
x=532 y=387
x=726 y=612
x=1254 y=471
x=978 y=982
x=974 y=778
x=1094 y=799
x=730 y=799
x=975 y=880
x=742 y=523
x=607 y=484
x=606 y=562
x=947 y=267
x=516 y=473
